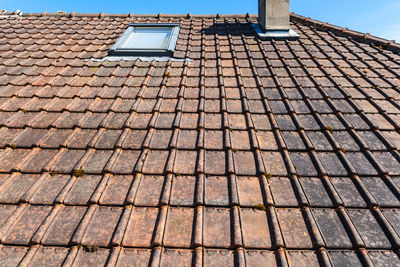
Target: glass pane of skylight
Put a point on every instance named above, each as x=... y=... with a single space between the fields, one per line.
x=148 y=38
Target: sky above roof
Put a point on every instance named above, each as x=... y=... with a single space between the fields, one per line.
x=380 y=18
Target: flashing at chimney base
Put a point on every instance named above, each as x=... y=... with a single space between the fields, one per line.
x=274 y=34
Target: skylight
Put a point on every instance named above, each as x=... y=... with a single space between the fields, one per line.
x=147 y=40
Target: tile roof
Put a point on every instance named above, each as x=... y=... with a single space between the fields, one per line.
x=278 y=153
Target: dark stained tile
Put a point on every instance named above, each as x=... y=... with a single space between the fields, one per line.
x=393 y=137
x=217 y=190
x=140 y=228
x=245 y=163
x=293 y=140
x=261 y=122
x=390 y=161
x=66 y=160
x=332 y=121
x=132 y=256
x=179 y=227
x=260 y=258
x=124 y=163
x=178 y=257
x=302 y=258
x=361 y=164
x=116 y=190
x=63 y=226
x=294 y=229
x=10 y=158
x=80 y=139
x=217 y=231
x=332 y=164
x=214 y=257
x=282 y=192
x=344 y=258
x=11 y=256
x=393 y=216
x=155 y=162
x=214 y=140
x=96 y=161
x=82 y=190
x=213 y=121
x=161 y=139
x=102 y=226
x=384 y=258
x=369 y=229
x=381 y=192
x=348 y=192
x=303 y=164
x=185 y=162
x=237 y=122
x=134 y=139
x=266 y=140
x=49 y=256
x=255 y=228
x=49 y=189
x=149 y=191
x=332 y=229
x=319 y=141
x=285 y=123
x=315 y=192
x=15 y=187
x=371 y=140
x=308 y=122
x=108 y=139
x=85 y=258
x=249 y=191
x=215 y=162
x=183 y=190
x=26 y=226
x=274 y=163
x=240 y=140
x=187 y=139
x=38 y=160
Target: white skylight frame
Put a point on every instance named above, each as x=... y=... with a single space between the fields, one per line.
x=168 y=50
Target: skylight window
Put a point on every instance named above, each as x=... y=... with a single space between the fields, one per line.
x=147 y=40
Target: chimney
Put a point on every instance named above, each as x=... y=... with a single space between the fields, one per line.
x=274 y=20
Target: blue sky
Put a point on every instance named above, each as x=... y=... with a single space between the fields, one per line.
x=378 y=17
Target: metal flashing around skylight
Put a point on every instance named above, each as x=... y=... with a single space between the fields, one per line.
x=145 y=39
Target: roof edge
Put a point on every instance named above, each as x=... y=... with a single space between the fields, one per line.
x=362 y=37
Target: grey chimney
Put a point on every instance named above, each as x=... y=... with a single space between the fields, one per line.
x=274 y=20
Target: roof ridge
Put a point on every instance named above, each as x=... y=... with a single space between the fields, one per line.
x=359 y=36
x=363 y=37
x=5 y=13
x=102 y=14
